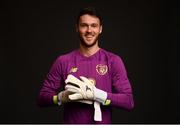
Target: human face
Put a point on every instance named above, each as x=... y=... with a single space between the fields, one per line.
x=89 y=29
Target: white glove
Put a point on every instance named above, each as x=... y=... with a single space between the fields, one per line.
x=63 y=97
x=84 y=89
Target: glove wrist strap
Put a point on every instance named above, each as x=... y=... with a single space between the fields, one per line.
x=100 y=95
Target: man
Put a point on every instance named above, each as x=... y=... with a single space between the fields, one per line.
x=88 y=76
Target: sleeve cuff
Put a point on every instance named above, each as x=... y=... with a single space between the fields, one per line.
x=56 y=100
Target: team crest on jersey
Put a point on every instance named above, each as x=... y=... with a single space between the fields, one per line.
x=73 y=69
x=101 y=69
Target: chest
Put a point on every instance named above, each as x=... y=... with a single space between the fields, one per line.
x=96 y=71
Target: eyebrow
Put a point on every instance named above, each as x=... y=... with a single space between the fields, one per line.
x=88 y=24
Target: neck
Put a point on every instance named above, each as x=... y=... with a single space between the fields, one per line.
x=88 y=51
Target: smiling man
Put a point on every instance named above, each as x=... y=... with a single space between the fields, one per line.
x=89 y=28
x=87 y=75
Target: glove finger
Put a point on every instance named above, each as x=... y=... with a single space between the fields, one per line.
x=83 y=78
x=86 y=101
x=75 y=96
x=72 y=84
x=72 y=79
x=86 y=80
x=71 y=88
x=69 y=78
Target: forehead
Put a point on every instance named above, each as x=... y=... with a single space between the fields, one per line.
x=89 y=19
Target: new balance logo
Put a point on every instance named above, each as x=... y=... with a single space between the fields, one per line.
x=87 y=88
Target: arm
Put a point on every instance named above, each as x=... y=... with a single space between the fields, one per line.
x=51 y=85
x=122 y=97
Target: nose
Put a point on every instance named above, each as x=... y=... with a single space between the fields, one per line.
x=89 y=29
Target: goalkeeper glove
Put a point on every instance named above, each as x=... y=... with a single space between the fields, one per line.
x=63 y=97
x=84 y=89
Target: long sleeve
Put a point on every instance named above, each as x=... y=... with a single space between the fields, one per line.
x=122 y=95
x=51 y=85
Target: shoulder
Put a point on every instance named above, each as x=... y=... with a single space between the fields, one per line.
x=111 y=56
x=66 y=57
x=62 y=61
x=116 y=63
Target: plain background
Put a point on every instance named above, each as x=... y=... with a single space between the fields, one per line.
x=144 y=33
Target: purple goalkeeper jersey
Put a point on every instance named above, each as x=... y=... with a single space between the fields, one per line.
x=107 y=72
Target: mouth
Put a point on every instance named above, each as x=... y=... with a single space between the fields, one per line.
x=89 y=37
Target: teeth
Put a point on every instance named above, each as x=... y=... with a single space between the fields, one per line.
x=89 y=36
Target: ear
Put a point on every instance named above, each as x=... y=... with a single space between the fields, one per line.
x=100 y=29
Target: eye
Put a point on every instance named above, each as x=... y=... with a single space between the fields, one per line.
x=94 y=25
x=83 y=25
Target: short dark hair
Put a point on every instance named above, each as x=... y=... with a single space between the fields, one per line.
x=91 y=11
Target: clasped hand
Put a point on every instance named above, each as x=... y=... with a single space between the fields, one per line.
x=82 y=88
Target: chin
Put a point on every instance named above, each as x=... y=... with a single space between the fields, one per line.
x=88 y=44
